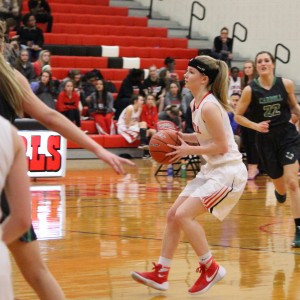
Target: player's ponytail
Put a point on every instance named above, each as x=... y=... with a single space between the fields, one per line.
x=9 y=86
x=218 y=78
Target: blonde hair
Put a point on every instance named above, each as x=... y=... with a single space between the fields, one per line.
x=219 y=86
x=40 y=59
x=9 y=86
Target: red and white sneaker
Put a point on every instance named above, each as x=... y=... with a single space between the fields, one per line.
x=156 y=279
x=208 y=277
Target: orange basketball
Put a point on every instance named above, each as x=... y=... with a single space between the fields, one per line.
x=158 y=145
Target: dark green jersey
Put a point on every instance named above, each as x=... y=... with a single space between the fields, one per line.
x=270 y=104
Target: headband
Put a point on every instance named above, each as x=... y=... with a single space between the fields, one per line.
x=204 y=69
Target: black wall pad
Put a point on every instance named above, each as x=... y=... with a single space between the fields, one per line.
x=115 y=62
x=74 y=50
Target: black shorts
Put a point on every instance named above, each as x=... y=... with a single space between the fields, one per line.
x=28 y=236
x=278 y=148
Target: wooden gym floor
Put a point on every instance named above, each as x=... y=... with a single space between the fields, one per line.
x=96 y=227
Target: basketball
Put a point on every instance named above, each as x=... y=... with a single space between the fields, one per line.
x=158 y=145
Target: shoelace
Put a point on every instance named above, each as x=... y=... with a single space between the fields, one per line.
x=201 y=268
x=156 y=267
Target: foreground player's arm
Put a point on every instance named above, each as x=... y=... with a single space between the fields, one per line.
x=289 y=86
x=18 y=194
x=242 y=107
x=215 y=125
x=57 y=122
x=190 y=138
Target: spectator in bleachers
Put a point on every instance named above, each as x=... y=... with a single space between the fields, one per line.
x=10 y=9
x=88 y=86
x=24 y=65
x=131 y=85
x=101 y=108
x=172 y=114
x=247 y=134
x=30 y=36
x=68 y=103
x=129 y=125
x=170 y=65
x=154 y=85
x=149 y=115
x=42 y=12
x=44 y=59
x=234 y=82
x=186 y=99
x=11 y=50
x=222 y=48
x=44 y=89
x=234 y=99
x=173 y=96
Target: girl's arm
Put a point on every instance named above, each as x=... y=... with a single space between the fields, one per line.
x=289 y=86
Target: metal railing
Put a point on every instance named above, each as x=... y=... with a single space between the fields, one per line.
x=287 y=50
x=234 y=34
x=151 y=9
x=193 y=15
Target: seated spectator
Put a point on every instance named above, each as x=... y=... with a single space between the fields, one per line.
x=42 y=12
x=170 y=65
x=68 y=103
x=186 y=99
x=234 y=82
x=188 y=128
x=154 y=85
x=172 y=114
x=101 y=108
x=44 y=59
x=11 y=49
x=129 y=125
x=234 y=99
x=44 y=89
x=131 y=85
x=10 y=9
x=222 y=48
x=173 y=96
x=149 y=115
x=30 y=36
x=24 y=66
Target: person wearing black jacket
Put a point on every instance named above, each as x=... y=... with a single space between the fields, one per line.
x=31 y=36
x=131 y=85
x=42 y=12
x=223 y=47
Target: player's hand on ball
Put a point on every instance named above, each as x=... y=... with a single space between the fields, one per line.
x=179 y=151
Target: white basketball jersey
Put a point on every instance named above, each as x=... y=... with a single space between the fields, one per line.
x=205 y=138
x=6 y=150
x=234 y=86
x=135 y=116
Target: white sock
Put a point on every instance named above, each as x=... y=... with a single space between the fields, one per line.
x=165 y=262
x=205 y=258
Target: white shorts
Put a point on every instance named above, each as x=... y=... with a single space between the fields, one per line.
x=219 y=187
x=6 y=291
x=130 y=134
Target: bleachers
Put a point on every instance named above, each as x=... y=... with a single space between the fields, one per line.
x=89 y=34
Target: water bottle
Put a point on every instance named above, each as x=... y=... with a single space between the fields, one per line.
x=170 y=170
x=183 y=169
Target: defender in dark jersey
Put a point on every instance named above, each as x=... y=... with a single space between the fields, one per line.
x=272 y=99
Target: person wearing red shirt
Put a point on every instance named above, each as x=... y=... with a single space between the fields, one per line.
x=150 y=116
x=68 y=103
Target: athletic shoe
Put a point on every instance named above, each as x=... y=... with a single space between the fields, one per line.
x=156 y=279
x=296 y=241
x=280 y=198
x=143 y=147
x=208 y=277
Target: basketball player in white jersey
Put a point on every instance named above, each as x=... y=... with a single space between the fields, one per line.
x=14 y=179
x=216 y=188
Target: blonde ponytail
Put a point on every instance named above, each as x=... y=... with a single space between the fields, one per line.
x=9 y=86
x=219 y=86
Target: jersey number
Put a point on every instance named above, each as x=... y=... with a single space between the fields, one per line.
x=272 y=110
